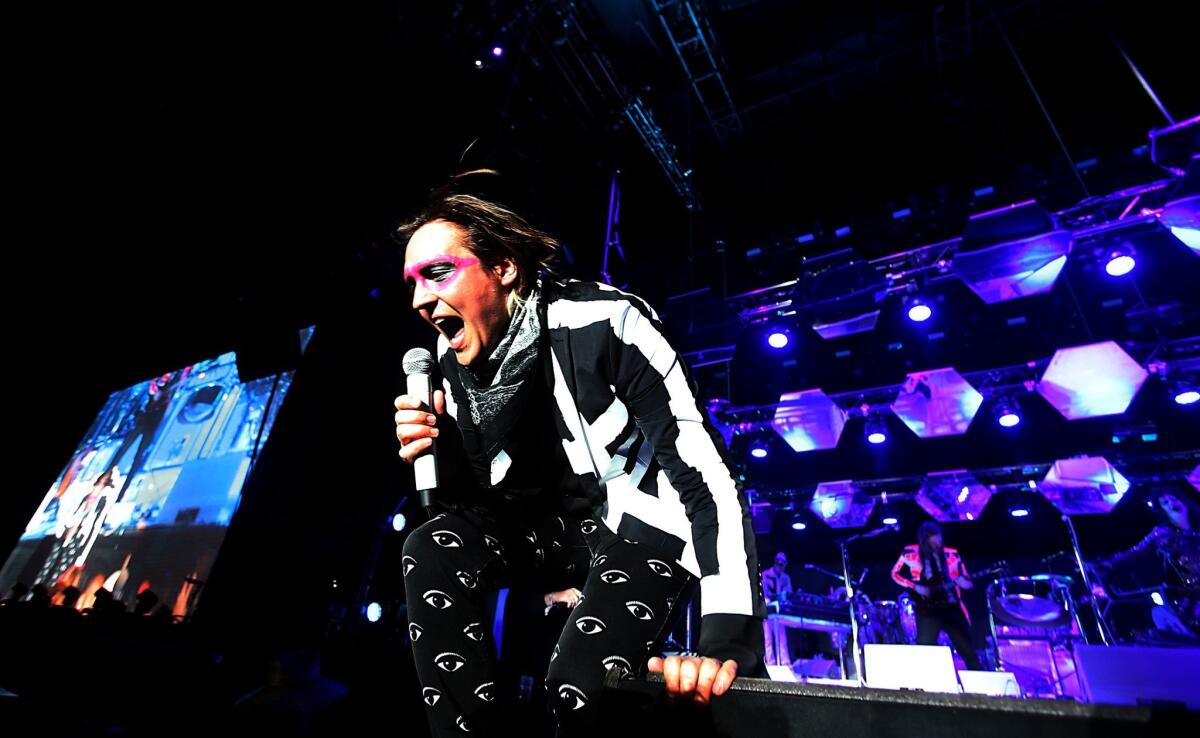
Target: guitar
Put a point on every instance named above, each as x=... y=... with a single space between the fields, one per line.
x=943 y=591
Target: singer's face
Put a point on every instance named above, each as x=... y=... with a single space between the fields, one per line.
x=452 y=290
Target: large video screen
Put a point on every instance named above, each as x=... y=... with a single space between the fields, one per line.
x=146 y=498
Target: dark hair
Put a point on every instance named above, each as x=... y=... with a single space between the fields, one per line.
x=927 y=530
x=1193 y=510
x=494 y=232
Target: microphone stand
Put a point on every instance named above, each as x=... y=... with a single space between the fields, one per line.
x=1101 y=626
x=844 y=545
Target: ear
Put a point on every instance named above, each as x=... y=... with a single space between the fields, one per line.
x=506 y=271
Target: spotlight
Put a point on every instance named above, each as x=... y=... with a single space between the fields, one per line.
x=398 y=522
x=875 y=430
x=1156 y=598
x=1019 y=511
x=479 y=63
x=1186 y=396
x=497 y=52
x=1006 y=413
x=777 y=339
x=1120 y=261
x=890 y=520
x=798 y=523
x=374 y=612
x=758 y=450
x=919 y=310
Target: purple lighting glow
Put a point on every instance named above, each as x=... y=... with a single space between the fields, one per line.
x=919 y=312
x=777 y=339
x=497 y=51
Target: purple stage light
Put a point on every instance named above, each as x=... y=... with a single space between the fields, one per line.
x=1186 y=397
x=842 y=505
x=1121 y=261
x=497 y=52
x=936 y=403
x=919 y=311
x=777 y=339
x=1084 y=485
x=808 y=420
x=952 y=495
x=1020 y=511
x=1091 y=381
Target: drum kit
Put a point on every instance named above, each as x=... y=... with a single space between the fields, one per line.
x=1040 y=605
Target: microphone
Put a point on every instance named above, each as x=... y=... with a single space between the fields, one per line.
x=418 y=368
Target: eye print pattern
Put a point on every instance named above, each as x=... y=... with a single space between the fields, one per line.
x=610 y=661
x=572 y=697
x=409 y=564
x=614 y=576
x=639 y=610
x=430 y=696
x=437 y=599
x=449 y=661
x=447 y=539
x=414 y=632
x=474 y=631
x=659 y=568
x=589 y=625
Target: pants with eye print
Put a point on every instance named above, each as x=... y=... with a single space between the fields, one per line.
x=452 y=562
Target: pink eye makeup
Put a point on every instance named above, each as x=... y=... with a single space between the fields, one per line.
x=438 y=273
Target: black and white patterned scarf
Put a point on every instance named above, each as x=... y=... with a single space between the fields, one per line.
x=493 y=386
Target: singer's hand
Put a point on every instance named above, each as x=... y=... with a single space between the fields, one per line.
x=415 y=426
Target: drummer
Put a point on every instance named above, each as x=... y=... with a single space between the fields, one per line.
x=937 y=575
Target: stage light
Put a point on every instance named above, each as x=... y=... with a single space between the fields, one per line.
x=875 y=430
x=374 y=612
x=808 y=420
x=1006 y=413
x=798 y=523
x=937 y=403
x=891 y=520
x=777 y=339
x=1121 y=261
x=398 y=522
x=1091 y=381
x=1186 y=396
x=1012 y=252
x=919 y=311
x=952 y=495
x=497 y=52
x=1019 y=511
x=1156 y=598
x=842 y=504
x=479 y=63
x=758 y=450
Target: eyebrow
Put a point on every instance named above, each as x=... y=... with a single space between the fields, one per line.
x=421 y=266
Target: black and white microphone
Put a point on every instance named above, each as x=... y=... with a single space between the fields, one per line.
x=418 y=371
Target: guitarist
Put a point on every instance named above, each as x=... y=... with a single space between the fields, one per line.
x=937 y=574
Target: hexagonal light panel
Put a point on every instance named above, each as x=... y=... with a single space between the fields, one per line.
x=842 y=505
x=1084 y=485
x=937 y=403
x=809 y=420
x=953 y=495
x=1092 y=380
x=1012 y=252
x=1194 y=478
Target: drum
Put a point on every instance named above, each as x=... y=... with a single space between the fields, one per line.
x=1042 y=601
x=887 y=615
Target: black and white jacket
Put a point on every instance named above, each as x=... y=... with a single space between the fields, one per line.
x=652 y=464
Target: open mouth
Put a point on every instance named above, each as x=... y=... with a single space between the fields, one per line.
x=452 y=328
